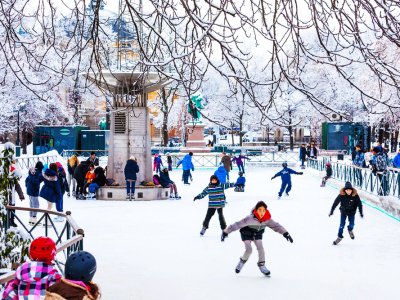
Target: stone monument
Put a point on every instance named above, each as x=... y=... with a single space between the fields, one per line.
x=129 y=130
x=195 y=128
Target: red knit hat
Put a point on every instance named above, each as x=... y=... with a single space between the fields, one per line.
x=43 y=249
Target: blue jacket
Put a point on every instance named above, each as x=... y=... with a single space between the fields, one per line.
x=285 y=174
x=359 y=159
x=186 y=163
x=396 y=161
x=221 y=174
x=32 y=182
x=131 y=168
x=240 y=181
x=51 y=190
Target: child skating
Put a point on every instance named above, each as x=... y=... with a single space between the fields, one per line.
x=251 y=230
x=286 y=179
x=349 y=202
x=216 y=202
x=240 y=183
x=328 y=168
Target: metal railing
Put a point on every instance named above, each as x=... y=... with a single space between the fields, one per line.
x=85 y=153
x=30 y=161
x=213 y=159
x=382 y=183
x=68 y=237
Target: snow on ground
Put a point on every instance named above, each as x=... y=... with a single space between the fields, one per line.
x=153 y=250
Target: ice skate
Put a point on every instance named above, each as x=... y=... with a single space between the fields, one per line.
x=279 y=198
x=287 y=194
x=128 y=197
x=171 y=196
x=240 y=265
x=177 y=197
x=31 y=221
x=263 y=268
x=351 y=234
x=203 y=231
x=337 y=241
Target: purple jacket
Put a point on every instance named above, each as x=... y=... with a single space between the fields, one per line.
x=253 y=223
x=238 y=160
x=31 y=281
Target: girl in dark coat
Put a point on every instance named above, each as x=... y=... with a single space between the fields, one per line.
x=166 y=182
x=328 y=173
x=349 y=202
x=32 y=183
x=130 y=171
x=51 y=190
x=251 y=230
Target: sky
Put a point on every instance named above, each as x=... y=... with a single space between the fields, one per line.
x=153 y=250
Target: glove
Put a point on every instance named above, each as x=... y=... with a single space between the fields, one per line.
x=272 y=178
x=300 y=173
x=195 y=198
x=362 y=215
x=288 y=237
x=330 y=214
x=223 y=236
x=192 y=169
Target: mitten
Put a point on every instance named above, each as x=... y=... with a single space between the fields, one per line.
x=362 y=215
x=288 y=237
x=223 y=236
x=300 y=173
x=195 y=198
x=331 y=214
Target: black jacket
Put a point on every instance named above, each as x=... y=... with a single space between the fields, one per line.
x=131 y=168
x=164 y=179
x=100 y=178
x=348 y=203
x=95 y=161
x=80 y=171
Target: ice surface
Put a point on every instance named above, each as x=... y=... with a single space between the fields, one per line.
x=153 y=250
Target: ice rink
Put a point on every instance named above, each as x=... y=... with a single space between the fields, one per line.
x=153 y=250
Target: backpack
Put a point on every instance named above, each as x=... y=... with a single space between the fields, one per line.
x=381 y=163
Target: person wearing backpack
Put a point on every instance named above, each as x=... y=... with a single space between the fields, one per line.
x=379 y=168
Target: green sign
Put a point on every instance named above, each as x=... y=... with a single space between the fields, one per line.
x=64 y=131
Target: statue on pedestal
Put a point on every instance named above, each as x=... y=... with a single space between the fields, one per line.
x=194 y=106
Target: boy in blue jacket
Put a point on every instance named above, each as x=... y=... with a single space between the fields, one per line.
x=240 y=183
x=286 y=179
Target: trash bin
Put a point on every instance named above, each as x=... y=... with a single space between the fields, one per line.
x=340 y=155
x=17 y=151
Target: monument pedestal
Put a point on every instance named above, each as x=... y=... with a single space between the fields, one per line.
x=195 y=136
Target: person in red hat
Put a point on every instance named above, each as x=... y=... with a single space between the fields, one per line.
x=34 y=277
x=251 y=230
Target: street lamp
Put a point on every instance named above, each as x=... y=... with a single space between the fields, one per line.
x=21 y=106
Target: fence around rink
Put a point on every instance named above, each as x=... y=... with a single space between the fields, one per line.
x=68 y=237
x=382 y=183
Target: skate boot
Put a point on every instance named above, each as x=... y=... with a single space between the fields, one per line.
x=351 y=234
x=31 y=221
x=240 y=265
x=128 y=197
x=171 y=196
x=12 y=223
x=337 y=241
x=287 y=194
x=263 y=268
x=177 y=197
x=68 y=194
x=203 y=231
x=279 y=198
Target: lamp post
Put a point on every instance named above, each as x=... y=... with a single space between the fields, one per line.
x=21 y=106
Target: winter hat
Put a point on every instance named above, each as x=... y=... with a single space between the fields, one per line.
x=39 y=166
x=191 y=153
x=214 y=177
x=43 y=249
x=328 y=164
x=156 y=154
x=348 y=186
x=376 y=149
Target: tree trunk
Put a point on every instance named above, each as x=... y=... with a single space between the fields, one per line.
x=164 y=109
x=23 y=146
x=290 y=129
